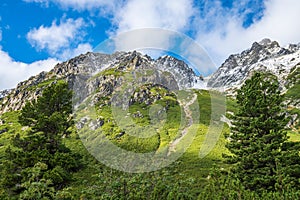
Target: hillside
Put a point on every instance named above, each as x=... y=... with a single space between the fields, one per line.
x=136 y=114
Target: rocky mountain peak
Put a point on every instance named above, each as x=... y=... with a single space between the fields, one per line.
x=264 y=55
x=86 y=66
x=294 y=47
x=132 y=60
x=265 y=41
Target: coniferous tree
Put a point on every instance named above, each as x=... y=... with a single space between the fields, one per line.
x=258 y=141
x=49 y=119
x=289 y=167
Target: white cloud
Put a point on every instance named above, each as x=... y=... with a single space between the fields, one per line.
x=218 y=29
x=80 y=49
x=138 y=22
x=168 y=14
x=57 y=37
x=12 y=72
x=104 y=5
x=279 y=22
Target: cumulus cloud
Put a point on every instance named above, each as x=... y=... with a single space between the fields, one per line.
x=80 y=49
x=219 y=28
x=57 y=39
x=80 y=5
x=55 y=36
x=138 y=22
x=61 y=40
x=147 y=14
x=228 y=35
x=12 y=72
x=168 y=14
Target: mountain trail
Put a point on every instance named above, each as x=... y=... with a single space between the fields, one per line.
x=188 y=113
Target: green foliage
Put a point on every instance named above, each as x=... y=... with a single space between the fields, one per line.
x=294 y=76
x=38 y=162
x=11 y=125
x=205 y=105
x=160 y=118
x=112 y=184
x=293 y=92
x=295 y=112
x=109 y=72
x=288 y=169
x=50 y=113
x=294 y=85
x=44 y=84
x=258 y=142
x=223 y=186
x=29 y=170
x=35 y=186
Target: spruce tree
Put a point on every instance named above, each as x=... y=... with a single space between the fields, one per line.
x=258 y=141
x=49 y=119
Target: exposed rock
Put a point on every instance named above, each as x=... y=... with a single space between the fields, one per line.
x=137 y=114
x=183 y=74
x=266 y=55
x=226 y=120
x=293 y=121
x=4 y=93
x=82 y=122
x=83 y=73
x=120 y=134
x=294 y=47
x=95 y=124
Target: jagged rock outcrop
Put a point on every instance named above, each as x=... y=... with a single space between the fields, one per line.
x=266 y=55
x=184 y=74
x=4 y=93
x=83 y=73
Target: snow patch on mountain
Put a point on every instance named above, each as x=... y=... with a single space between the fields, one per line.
x=266 y=55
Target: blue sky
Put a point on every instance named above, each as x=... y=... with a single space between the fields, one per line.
x=36 y=34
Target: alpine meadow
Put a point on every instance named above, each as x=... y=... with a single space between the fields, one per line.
x=127 y=126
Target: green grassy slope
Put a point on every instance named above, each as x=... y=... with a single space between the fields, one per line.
x=183 y=179
x=186 y=176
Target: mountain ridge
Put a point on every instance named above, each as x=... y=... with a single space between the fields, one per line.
x=85 y=66
x=265 y=55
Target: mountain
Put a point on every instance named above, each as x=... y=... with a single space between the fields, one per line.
x=83 y=67
x=266 y=55
x=4 y=93
x=157 y=121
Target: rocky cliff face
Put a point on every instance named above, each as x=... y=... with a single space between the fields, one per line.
x=101 y=72
x=4 y=93
x=266 y=55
